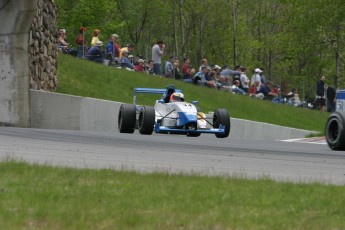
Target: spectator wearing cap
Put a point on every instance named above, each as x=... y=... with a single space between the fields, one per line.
x=169 y=68
x=95 y=53
x=139 y=67
x=244 y=80
x=256 y=78
x=131 y=58
x=125 y=62
x=95 y=36
x=129 y=48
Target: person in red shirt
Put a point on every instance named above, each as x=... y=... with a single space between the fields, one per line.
x=186 y=64
x=140 y=66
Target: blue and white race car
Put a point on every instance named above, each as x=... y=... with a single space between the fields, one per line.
x=171 y=115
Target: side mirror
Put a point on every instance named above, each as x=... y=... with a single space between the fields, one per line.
x=161 y=101
x=195 y=102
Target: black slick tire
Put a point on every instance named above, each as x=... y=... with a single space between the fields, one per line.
x=335 y=133
x=126 y=118
x=146 y=120
x=221 y=117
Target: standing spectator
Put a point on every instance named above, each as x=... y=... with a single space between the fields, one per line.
x=95 y=37
x=110 y=49
x=186 y=63
x=157 y=53
x=117 y=47
x=95 y=53
x=255 y=79
x=168 y=70
x=125 y=62
x=262 y=76
x=331 y=99
x=140 y=66
x=81 y=42
x=320 y=101
x=227 y=72
x=244 y=80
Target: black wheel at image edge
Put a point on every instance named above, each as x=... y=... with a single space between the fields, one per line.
x=335 y=133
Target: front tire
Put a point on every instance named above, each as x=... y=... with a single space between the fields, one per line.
x=221 y=117
x=146 y=120
x=127 y=118
x=335 y=134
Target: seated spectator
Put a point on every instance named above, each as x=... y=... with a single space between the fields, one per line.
x=139 y=66
x=236 y=88
x=210 y=78
x=177 y=73
x=149 y=67
x=125 y=63
x=223 y=84
x=186 y=64
x=265 y=89
x=188 y=76
x=95 y=35
x=95 y=53
x=169 y=67
x=237 y=76
x=199 y=78
x=64 y=46
x=227 y=72
x=253 y=92
x=131 y=58
x=129 y=48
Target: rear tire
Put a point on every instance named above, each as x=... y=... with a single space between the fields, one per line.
x=127 y=118
x=335 y=133
x=146 y=120
x=221 y=117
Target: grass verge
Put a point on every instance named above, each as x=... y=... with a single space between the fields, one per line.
x=43 y=197
x=84 y=78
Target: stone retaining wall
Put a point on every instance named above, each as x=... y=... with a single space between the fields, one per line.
x=42 y=47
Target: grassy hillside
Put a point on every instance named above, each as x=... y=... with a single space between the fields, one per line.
x=84 y=78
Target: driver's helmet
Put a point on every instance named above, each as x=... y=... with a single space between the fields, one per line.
x=177 y=97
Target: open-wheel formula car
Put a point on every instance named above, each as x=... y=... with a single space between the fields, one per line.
x=171 y=115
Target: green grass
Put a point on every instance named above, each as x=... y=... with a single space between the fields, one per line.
x=83 y=78
x=42 y=197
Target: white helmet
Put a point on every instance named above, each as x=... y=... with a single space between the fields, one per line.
x=177 y=97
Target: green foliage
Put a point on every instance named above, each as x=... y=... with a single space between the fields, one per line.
x=42 y=197
x=99 y=81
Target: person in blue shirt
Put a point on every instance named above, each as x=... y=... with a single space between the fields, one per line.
x=125 y=62
x=95 y=53
x=265 y=89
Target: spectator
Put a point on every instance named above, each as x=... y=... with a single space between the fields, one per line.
x=265 y=89
x=157 y=53
x=131 y=59
x=129 y=48
x=210 y=78
x=203 y=63
x=125 y=62
x=237 y=76
x=188 y=76
x=149 y=67
x=236 y=88
x=81 y=42
x=168 y=70
x=186 y=64
x=117 y=47
x=110 y=49
x=95 y=37
x=223 y=84
x=139 y=66
x=199 y=78
x=244 y=80
x=320 y=101
x=262 y=76
x=330 y=93
x=227 y=72
x=177 y=72
x=63 y=45
x=256 y=78
x=95 y=53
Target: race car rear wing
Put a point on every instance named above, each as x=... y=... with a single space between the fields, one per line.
x=165 y=92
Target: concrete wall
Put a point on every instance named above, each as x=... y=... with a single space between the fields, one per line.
x=60 y=111
x=16 y=18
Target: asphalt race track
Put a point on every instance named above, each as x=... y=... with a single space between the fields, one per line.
x=207 y=155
